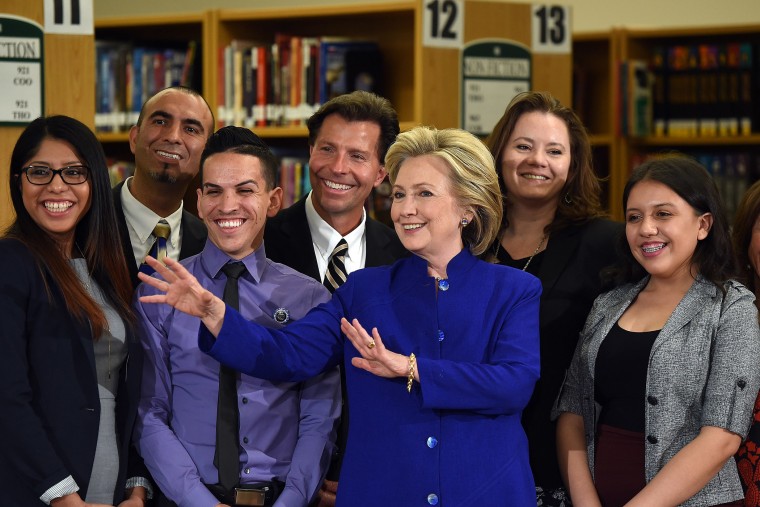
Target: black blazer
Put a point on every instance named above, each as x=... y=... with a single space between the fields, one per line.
x=570 y=279
x=287 y=240
x=193 y=235
x=50 y=401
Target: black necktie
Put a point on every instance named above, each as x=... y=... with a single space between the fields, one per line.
x=158 y=251
x=227 y=456
x=336 y=267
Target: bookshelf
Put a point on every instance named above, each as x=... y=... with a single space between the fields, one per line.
x=419 y=78
x=733 y=157
x=69 y=68
x=594 y=54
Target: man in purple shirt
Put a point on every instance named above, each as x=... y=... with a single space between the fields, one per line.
x=286 y=430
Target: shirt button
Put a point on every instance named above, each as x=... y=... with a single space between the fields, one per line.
x=742 y=384
x=652 y=439
x=245 y=440
x=441 y=336
x=432 y=499
x=444 y=286
x=245 y=400
x=247 y=470
x=652 y=400
x=432 y=442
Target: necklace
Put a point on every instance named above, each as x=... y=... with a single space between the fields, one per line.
x=538 y=248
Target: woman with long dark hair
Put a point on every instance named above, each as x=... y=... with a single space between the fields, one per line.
x=70 y=364
x=660 y=391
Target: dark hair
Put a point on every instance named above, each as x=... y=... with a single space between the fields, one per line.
x=359 y=106
x=744 y=222
x=94 y=234
x=183 y=89
x=240 y=140
x=579 y=200
x=714 y=255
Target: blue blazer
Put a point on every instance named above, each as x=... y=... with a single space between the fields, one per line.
x=457 y=437
x=49 y=399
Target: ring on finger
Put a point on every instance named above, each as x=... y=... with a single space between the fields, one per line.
x=371 y=344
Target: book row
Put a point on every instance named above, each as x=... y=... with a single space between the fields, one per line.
x=704 y=90
x=127 y=75
x=284 y=82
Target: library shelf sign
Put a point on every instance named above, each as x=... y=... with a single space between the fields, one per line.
x=493 y=72
x=21 y=70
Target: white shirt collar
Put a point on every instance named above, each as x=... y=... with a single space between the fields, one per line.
x=142 y=219
x=325 y=238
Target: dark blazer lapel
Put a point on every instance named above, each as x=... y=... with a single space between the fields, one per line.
x=295 y=231
x=126 y=244
x=377 y=245
x=193 y=235
x=559 y=251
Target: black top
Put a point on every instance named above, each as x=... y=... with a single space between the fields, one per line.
x=620 y=377
x=569 y=272
x=534 y=267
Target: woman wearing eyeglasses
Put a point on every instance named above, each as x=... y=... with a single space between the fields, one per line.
x=70 y=364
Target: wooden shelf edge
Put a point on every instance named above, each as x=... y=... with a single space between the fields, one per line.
x=642 y=142
x=317 y=11
x=152 y=20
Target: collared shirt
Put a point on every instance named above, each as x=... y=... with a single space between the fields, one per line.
x=140 y=223
x=286 y=428
x=325 y=238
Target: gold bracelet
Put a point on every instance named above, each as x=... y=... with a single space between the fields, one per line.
x=412 y=364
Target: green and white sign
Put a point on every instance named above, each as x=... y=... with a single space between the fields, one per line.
x=493 y=72
x=21 y=70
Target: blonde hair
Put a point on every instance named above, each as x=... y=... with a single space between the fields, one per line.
x=473 y=178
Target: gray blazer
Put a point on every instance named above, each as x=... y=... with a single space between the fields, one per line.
x=704 y=370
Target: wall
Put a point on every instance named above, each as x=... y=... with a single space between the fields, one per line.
x=588 y=15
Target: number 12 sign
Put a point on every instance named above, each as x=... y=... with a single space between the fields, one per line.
x=443 y=22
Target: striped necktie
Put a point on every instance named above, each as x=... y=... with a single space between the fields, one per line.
x=158 y=251
x=336 y=267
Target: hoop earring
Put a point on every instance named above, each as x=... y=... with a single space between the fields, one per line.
x=568 y=200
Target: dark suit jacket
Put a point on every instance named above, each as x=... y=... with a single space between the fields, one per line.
x=287 y=240
x=50 y=400
x=570 y=276
x=193 y=235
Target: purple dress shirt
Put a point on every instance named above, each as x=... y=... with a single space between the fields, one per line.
x=286 y=428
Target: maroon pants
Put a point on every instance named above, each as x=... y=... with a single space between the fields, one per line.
x=619 y=466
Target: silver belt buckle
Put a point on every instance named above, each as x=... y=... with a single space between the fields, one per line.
x=255 y=497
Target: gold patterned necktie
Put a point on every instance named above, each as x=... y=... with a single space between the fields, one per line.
x=158 y=251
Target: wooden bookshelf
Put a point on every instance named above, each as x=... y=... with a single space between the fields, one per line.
x=423 y=83
x=717 y=153
x=595 y=86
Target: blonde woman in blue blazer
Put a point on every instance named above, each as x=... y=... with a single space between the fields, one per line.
x=662 y=385
x=438 y=380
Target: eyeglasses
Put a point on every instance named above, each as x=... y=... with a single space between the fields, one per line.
x=42 y=175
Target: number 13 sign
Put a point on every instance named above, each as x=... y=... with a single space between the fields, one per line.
x=551 y=29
